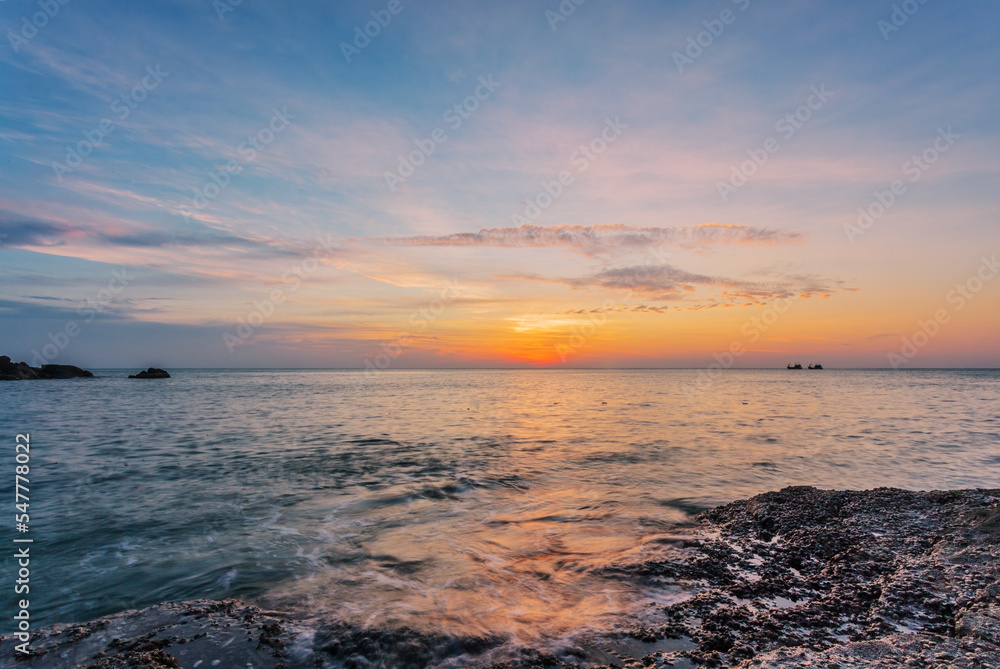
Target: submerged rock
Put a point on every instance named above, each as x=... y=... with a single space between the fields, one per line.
x=400 y=648
x=21 y=371
x=151 y=373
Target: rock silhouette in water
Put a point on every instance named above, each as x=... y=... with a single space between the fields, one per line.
x=151 y=373
x=21 y=371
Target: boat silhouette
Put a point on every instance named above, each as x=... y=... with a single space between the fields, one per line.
x=816 y=366
x=795 y=366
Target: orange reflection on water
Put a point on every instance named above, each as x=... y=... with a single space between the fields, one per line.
x=528 y=569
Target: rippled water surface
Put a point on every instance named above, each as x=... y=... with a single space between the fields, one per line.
x=460 y=502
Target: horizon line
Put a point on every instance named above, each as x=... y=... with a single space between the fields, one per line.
x=542 y=369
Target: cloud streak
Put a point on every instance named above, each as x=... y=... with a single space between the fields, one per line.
x=28 y=233
x=666 y=283
x=596 y=238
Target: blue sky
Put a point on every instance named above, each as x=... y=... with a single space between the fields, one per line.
x=345 y=124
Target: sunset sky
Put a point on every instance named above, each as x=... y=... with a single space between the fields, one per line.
x=262 y=184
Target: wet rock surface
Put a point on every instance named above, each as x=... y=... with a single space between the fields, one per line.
x=811 y=578
x=341 y=645
x=200 y=633
x=791 y=579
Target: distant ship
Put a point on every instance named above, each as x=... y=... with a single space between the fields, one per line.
x=816 y=366
x=795 y=366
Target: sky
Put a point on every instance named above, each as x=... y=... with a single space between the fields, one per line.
x=411 y=184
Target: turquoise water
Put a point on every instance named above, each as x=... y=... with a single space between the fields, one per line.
x=451 y=501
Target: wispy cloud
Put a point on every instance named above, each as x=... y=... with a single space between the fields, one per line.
x=666 y=283
x=28 y=233
x=595 y=238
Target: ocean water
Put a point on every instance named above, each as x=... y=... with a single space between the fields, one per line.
x=455 y=502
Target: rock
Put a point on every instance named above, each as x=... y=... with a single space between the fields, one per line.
x=227 y=633
x=983 y=624
x=64 y=372
x=814 y=578
x=399 y=648
x=151 y=373
x=21 y=371
x=10 y=371
x=890 y=652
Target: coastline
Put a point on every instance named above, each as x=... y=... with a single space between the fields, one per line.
x=795 y=578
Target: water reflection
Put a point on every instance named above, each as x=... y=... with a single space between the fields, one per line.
x=468 y=502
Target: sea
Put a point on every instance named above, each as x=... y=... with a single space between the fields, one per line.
x=452 y=502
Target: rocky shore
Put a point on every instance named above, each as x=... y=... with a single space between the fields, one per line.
x=790 y=579
x=811 y=578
